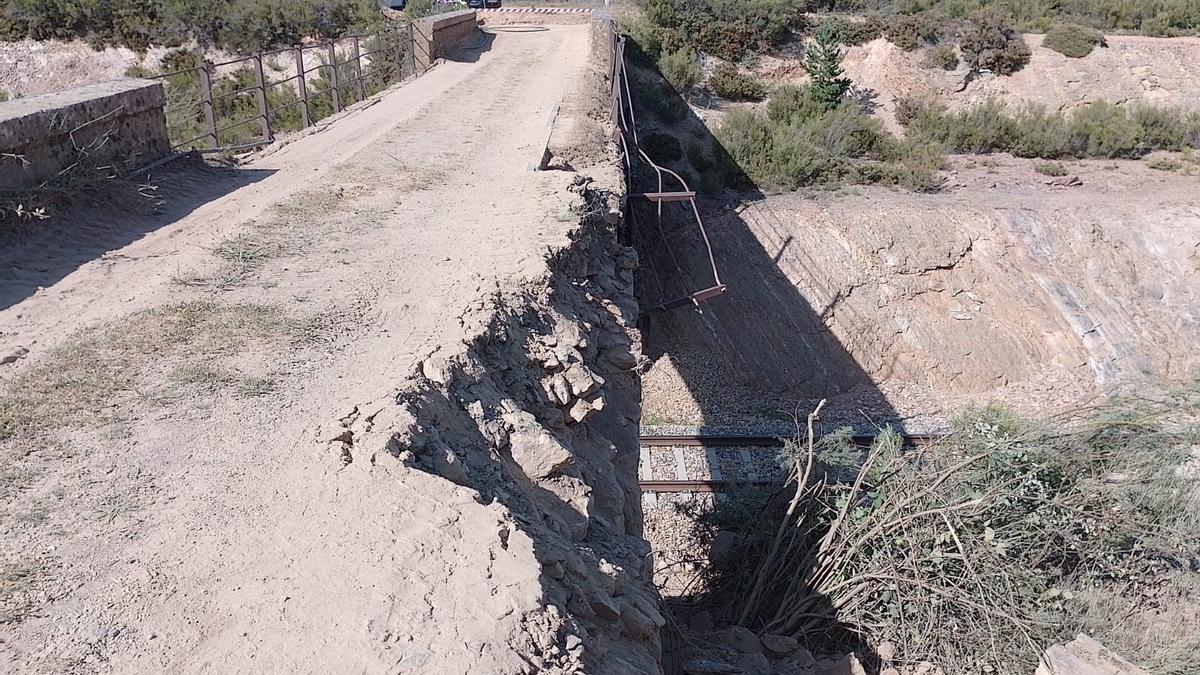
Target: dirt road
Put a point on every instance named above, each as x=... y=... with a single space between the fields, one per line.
x=171 y=502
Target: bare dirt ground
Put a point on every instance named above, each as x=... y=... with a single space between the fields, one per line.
x=181 y=492
x=1007 y=286
x=29 y=67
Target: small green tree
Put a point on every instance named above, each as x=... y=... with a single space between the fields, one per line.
x=823 y=62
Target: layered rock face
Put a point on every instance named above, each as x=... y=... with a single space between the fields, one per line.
x=907 y=306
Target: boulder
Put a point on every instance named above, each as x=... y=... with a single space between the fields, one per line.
x=739 y=640
x=844 y=665
x=1084 y=656
x=779 y=645
x=538 y=452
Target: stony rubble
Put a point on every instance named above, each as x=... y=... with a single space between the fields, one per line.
x=538 y=413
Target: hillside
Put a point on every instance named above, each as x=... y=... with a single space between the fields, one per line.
x=1161 y=71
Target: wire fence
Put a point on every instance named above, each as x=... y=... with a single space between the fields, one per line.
x=237 y=104
x=677 y=288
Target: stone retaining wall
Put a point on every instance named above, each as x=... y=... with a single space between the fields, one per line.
x=119 y=124
x=436 y=36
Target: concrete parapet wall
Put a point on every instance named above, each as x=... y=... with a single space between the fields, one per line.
x=119 y=124
x=437 y=35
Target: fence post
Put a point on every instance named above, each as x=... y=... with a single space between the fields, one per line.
x=333 y=78
x=362 y=92
x=399 y=54
x=412 y=50
x=302 y=87
x=206 y=103
x=261 y=94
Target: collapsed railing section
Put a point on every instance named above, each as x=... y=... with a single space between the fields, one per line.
x=626 y=136
x=235 y=105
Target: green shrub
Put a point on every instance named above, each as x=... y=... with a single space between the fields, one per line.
x=3 y=96
x=662 y=148
x=658 y=98
x=980 y=129
x=730 y=29
x=729 y=83
x=790 y=103
x=1050 y=168
x=943 y=56
x=644 y=46
x=1073 y=40
x=988 y=42
x=682 y=69
x=854 y=32
x=1164 y=164
x=236 y=25
x=908 y=109
x=798 y=142
x=415 y=9
x=1096 y=130
x=911 y=31
x=697 y=156
x=1167 y=128
x=1041 y=134
x=1102 y=129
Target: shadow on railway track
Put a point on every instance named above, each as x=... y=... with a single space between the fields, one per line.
x=36 y=254
x=755 y=360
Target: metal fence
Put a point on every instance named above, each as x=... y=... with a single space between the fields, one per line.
x=626 y=136
x=234 y=105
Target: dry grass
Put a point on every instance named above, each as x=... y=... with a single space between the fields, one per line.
x=979 y=552
x=16 y=588
x=92 y=379
x=244 y=252
x=181 y=355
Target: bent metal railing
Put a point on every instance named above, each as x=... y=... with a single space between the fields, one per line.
x=626 y=136
x=198 y=101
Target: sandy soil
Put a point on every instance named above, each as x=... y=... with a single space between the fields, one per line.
x=193 y=519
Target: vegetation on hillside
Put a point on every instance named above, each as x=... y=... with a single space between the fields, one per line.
x=236 y=25
x=1097 y=130
x=235 y=106
x=820 y=135
x=799 y=140
x=730 y=29
x=731 y=84
x=1150 y=17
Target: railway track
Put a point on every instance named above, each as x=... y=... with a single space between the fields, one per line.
x=717 y=463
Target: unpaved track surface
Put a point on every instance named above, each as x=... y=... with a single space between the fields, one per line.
x=213 y=532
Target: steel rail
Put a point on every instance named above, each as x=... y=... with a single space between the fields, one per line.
x=723 y=485
x=721 y=440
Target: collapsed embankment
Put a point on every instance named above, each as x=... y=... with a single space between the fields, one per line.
x=535 y=417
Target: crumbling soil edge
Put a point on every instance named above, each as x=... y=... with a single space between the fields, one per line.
x=536 y=408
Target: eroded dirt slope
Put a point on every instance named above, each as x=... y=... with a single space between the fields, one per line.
x=1131 y=69
x=364 y=405
x=907 y=306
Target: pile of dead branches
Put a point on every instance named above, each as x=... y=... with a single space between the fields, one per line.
x=979 y=551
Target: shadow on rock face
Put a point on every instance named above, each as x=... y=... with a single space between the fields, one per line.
x=755 y=360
